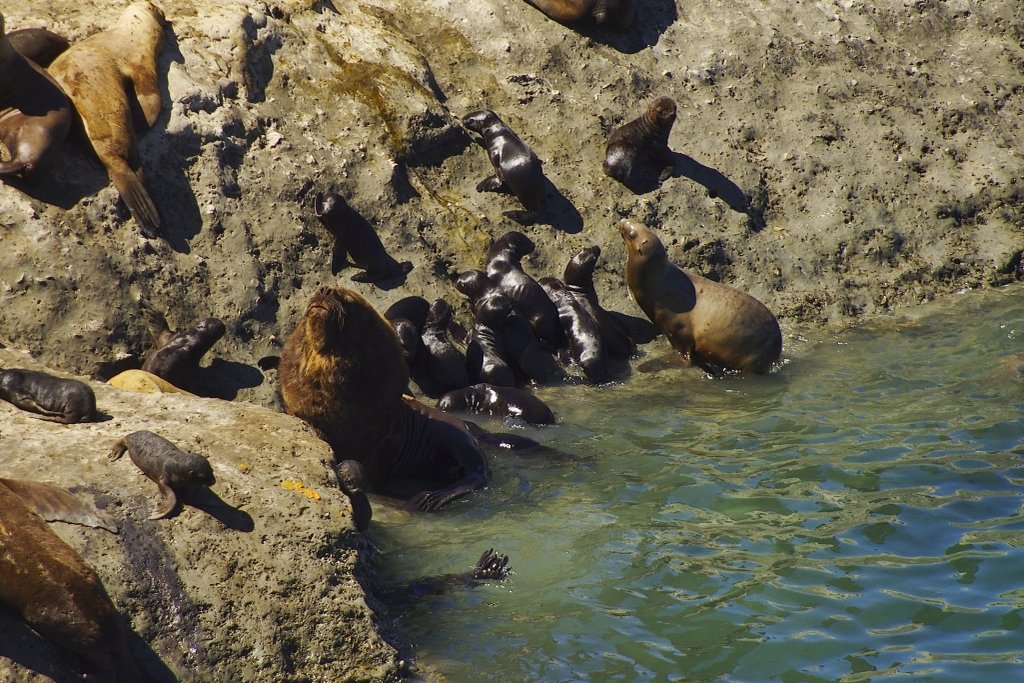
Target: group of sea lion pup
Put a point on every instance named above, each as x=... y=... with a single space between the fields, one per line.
x=346 y=368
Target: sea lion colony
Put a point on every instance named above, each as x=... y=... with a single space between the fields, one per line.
x=346 y=368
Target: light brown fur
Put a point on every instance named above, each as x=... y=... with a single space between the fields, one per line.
x=94 y=73
x=710 y=324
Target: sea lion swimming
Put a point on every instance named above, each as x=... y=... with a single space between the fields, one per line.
x=103 y=74
x=170 y=468
x=35 y=114
x=57 y=594
x=712 y=325
x=55 y=399
x=342 y=372
x=638 y=151
x=499 y=401
x=517 y=169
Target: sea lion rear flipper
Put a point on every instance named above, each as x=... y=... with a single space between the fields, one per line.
x=167 y=503
x=11 y=167
x=141 y=205
x=156 y=323
x=55 y=504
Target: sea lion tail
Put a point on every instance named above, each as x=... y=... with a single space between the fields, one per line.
x=134 y=194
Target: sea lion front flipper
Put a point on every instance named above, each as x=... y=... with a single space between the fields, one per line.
x=492 y=184
x=137 y=198
x=167 y=503
x=522 y=217
x=148 y=94
x=55 y=504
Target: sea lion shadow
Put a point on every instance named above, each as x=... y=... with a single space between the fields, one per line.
x=650 y=20
x=223 y=379
x=202 y=498
x=718 y=186
x=27 y=649
x=558 y=211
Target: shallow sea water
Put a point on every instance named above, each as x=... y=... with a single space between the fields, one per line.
x=856 y=516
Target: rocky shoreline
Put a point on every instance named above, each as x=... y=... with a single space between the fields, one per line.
x=836 y=160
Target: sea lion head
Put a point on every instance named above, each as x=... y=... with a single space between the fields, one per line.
x=325 y=319
x=480 y=120
x=639 y=240
x=492 y=310
x=440 y=315
x=472 y=283
x=144 y=12
x=199 y=470
x=662 y=112
x=616 y=14
x=513 y=244
x=580 y=269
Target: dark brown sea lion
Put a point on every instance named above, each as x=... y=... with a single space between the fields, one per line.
x=586 y=345
x=579 y=281
x=354 y=236
x=444 y=363
x=177 y=355
x=505 y=271
x=352 y=481
x=407 y=316
x=710 y=324
x=491 y=566
x=108 y=76
x=58 y=595
x=40 y=45
x=634 y=146
x=500 y=401
x=617 y=15
x=342 y=372
x=35 y=114
x=522 y=349
x=486 y=358
x=55 y=399
x=160 y=460
x=517 y=169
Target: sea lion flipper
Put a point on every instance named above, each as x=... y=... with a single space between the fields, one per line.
x=492 y=184
x=55 y=504
x=522 y=217
x=168 y=501
x=135 y=196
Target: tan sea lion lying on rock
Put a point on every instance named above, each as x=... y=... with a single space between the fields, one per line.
x=617 y=15
x=342 y=371
x=712 y=325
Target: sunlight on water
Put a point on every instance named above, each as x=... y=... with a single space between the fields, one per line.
x=855 y=516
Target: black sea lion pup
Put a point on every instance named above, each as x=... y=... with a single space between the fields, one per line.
x=35 y=114
x=177 y=354
x=522 y=349
x=634 y=145
x=499 y=401
x=58 y=595
x=407 y=316
x=444 y=363
x=617 y=15
x=486 y=357
x=160 y=460
x=517 y=168
x=579 y=281
x=55 y=399
x=585 y=343
x=491 y=566
x=505 y=271
x=341 y=371
x=109 y=76
x=353 y=235
x=40 y=45
x=710 y=324
x=352 y=481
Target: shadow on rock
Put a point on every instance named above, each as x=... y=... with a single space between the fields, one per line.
x=558 y=211
x=202 y=498
x=650 y=20
x=224 y=379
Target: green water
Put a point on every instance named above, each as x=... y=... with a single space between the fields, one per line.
x=856 y=516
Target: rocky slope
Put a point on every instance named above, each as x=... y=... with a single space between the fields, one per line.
x=835 y=159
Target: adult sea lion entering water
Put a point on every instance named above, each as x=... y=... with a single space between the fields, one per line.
x=342 y=371
x=710 y=324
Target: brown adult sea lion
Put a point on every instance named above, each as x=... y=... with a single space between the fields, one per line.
x=635 y=146
x=103 y=74
x=55 y=592
x=35 y=114
x=710 y=324
x=342 y=371
x=617 y=15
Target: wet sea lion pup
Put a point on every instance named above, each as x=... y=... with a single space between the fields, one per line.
x=522 y=350
x=40 y=45
x=517 y=169
x=160 y=460
x=109 y=76
x=444 y=363
x=635 y=146
x=35 y=114
x=617 y=15
x=712 y=325
x=177 y=355
x=57 y=594
x=499 y=401
x=491 y=566
x=55 y=399
x=486 y=357
x=354 y=236
x=579 y=281
x=341 y=371
x=581 y=331
x=505 y=271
